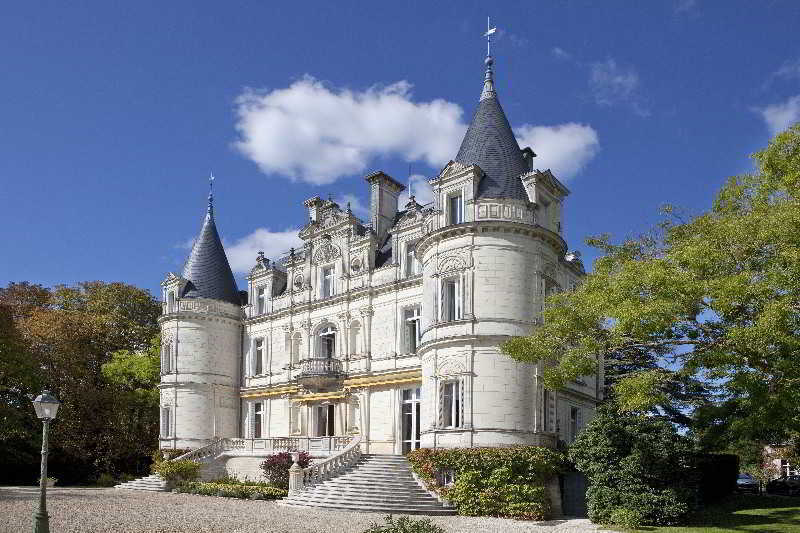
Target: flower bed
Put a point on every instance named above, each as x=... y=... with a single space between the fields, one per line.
x=252 y=491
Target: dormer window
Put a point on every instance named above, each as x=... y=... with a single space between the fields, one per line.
x=261 y=300
x=412 y=265
x=328 y=281
x=455 y=209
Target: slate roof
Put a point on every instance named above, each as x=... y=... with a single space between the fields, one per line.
x=490 y=144
x=207 y=267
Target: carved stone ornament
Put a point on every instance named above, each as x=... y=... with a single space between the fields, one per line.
x=327 y=252
x=297 y=283
x=355 y=265
x=451 y=263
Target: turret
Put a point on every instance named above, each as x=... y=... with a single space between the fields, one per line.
x=201 y=343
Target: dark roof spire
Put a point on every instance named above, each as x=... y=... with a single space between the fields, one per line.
x=490 y=144
x=207 y=268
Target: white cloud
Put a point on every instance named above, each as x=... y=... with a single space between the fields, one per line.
x=684 y=6
x=780 y=116
x=789 y=70
x=188 y=244
x=317 y=134
x=613 y=85
x=359 y=209
x=423 y=193
x=242 y=253
x=565 y=148
x=560 y=53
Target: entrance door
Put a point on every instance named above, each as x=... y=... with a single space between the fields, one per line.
x=325 y=420
x=410 y=419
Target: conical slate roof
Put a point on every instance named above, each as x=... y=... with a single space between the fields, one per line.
x=490 y=144
x=207 y=267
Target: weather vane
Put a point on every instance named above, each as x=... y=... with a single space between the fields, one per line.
x=488 y=35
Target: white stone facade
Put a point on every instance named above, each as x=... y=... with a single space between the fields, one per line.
x=389 y=329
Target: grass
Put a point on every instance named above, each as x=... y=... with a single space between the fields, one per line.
x=742 y=513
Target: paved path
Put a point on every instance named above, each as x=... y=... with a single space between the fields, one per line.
x=83 y=510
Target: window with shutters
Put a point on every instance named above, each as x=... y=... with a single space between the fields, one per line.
x=452 y=299
x=450 y=404
x=166 y=422
x=412 y=332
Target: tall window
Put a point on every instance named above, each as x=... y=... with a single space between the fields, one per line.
x=412 y=264
x=295 y=420
x=451 y=405
x=327 y=343
x=546 y=410
x=166 y=358
x=328 y=282
x=325 y=419
x=171 y=302
x=455 y=209
x=295 y=346
x=166 y=422
x=258 y=416
x=258 y=357
x=261 y=300
x=574 y=415
x=452 y=308
x=412 y=332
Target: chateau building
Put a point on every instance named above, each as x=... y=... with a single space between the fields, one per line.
x=387 y=328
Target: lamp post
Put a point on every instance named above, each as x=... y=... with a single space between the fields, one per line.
x=46 y=406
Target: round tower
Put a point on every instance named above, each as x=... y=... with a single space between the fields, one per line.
x=201 y=342
x=492 y=250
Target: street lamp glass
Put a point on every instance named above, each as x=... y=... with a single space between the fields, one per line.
x=46 y=406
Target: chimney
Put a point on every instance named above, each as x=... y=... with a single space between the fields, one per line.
x=383 y=193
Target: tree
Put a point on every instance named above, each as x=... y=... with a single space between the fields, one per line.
x=714 y=300
x=60 y=338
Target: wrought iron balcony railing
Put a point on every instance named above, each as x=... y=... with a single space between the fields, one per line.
x=320 y=374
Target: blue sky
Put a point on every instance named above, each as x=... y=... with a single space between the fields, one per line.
x=114 y=113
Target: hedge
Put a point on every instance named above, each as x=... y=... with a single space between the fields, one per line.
x=177 y=471
x=260 y=491
x=507 y=482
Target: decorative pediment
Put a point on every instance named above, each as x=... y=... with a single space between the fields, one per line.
x=455 y=260
x=452 y=168
x=327 y=252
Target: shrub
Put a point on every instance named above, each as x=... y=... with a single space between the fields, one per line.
x=261 y=491
x=507 y=482
x=105 y=480
x=276 y=467
x=404 y=524
x=639 y=469
x=177 y=471
x=716 y=475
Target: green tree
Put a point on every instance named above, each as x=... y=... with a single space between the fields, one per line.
x=713 y=300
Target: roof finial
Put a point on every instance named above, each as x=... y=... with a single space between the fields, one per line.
x=488 y=82
x=211 y=193
x=410 y=184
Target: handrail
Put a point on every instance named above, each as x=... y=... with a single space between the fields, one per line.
x=214 y=448
x=300 y=478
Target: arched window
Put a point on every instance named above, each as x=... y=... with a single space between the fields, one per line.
x=327 y=342
x=355 y=338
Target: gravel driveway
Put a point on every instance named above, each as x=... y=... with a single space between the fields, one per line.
x=75 y=510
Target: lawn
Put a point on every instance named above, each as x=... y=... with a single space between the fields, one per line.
x=742 y=513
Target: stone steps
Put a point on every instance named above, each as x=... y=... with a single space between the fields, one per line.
x=152 y=483
x=377 y=483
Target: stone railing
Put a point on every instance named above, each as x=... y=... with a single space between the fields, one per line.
x=256 y=447
x=300 y=478
x=320 y=367
x=202 y=453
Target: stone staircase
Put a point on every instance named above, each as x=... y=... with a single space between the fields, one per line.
x=377 y=483
x=152 y=483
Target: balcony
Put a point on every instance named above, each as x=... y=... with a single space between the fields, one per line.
x=320 y=374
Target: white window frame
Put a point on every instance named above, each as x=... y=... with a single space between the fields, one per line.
x=328 y=331
x=452 y=305
x=412 y=265
x=450 y=414
x=166 y=358
x=261 y=299
x=258 y=411
x=416 y=316
x=327 y=283
x=172 y=302
x=166 y=421
x=455 y=216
